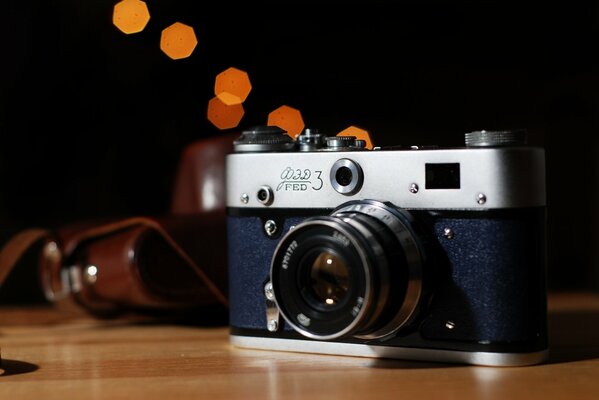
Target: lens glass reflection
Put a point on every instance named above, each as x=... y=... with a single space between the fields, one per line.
x=329 y=279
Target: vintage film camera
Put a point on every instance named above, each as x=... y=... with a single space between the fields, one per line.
x=419 y=253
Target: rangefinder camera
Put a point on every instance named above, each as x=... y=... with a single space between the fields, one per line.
x=418 y=252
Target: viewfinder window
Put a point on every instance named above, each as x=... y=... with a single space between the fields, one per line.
x=443 y=176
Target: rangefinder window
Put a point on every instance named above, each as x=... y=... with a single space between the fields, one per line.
x=443 y=176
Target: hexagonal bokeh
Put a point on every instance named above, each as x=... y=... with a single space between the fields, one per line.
x=224 y=116
x=232 y=86
x=228 y=98
x=130 y=16
x=287 y=118
x=178 y=41
x=358 y=133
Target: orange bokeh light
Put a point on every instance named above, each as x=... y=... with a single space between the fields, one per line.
x=130 y=16
x=224 y=116
x=229 y=99
x=232 y=86
x=178 y=41
x=359 y=133
x=287 y=118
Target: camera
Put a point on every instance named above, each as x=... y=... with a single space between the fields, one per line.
x=406 y=252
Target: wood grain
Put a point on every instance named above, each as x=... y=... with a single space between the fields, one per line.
x=78 y=357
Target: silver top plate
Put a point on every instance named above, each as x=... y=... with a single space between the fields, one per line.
x=490 y=178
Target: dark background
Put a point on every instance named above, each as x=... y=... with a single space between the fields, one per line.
x=92 y=121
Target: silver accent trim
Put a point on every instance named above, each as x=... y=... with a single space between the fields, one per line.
x=273 y=319
x=310 y=140
x=357 y=177
x=263 y=139
x=265 y=195
x=53 y=255
x=270 y=227
x=481 y=198
x=340 y=143
x=510 y=177
x=495 y=138
x=404 y=353
x=413 y=259
x=75 y=278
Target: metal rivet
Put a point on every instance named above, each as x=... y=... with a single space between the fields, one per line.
x=245 y=198
x=270 y=227
x=268 y=291
x=414 y=188
x=52 y=252
x=448 y=233
x=91 y=274
x=51 y=247
x=450 y=325
x=272 y=325
x=481 y=198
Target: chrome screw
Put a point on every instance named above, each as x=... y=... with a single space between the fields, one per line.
x=481 y=198
x=245 y=198
x=450 y=325
x=272 y=325
x=448 y=233
x=270 y=227
x=90 y=273
x=268 y=291
x=414 y=188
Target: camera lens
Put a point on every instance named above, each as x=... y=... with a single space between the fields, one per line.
x=356 y=272
x=328 y=279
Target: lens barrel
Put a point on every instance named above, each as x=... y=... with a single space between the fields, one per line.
x=356 y=272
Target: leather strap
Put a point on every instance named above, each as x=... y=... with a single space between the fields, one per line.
x=13 y=250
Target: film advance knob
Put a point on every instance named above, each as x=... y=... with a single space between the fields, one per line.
x=263 y=139
x=495 y=138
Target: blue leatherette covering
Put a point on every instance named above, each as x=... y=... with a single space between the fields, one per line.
x=488 y=280
x=250 y=253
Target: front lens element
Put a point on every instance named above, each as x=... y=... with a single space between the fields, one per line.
x=328 y=279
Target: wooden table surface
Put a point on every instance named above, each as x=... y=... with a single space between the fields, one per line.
x=48 y=355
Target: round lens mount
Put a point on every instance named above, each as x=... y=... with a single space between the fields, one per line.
x=356 y=272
